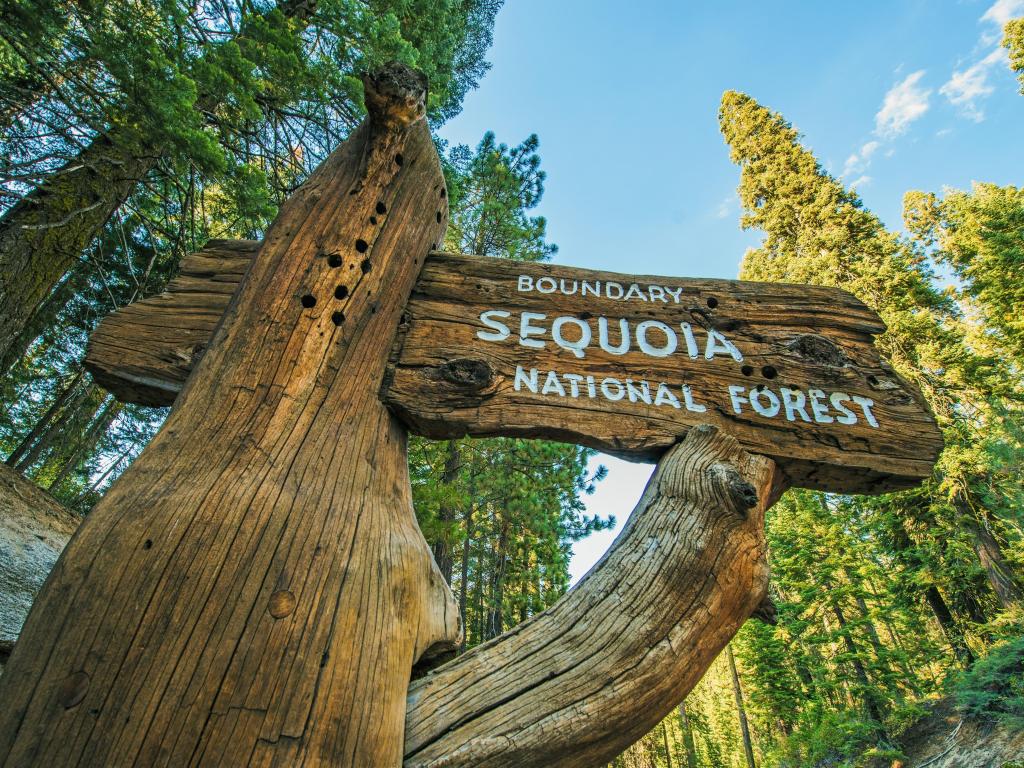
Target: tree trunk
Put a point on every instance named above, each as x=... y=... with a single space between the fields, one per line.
x=691 y=748
x=464 y=585
x=494 y=623
x=581 y=681
x=255 y=589
x=904 y=545
x=737 y=692
x=997 y=569
x=446 y=513
x=44 y=422
x=43 y=234
x=60 y=427
x=668 y=750
x=88 y=442
x=874 y=707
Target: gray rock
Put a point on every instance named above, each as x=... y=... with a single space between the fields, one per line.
x=34 y=528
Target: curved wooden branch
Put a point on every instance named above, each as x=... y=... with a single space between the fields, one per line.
x=586 y=678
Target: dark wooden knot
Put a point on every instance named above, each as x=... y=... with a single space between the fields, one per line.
x=73 y=689
x=818 y=349
x=395 y=94
x=741 y=493
x=467 y=373
x=282 y=603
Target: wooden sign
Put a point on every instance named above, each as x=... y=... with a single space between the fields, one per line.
x=625 y=364
x=255 y=589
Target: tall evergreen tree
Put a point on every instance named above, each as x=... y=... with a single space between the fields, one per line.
x=816 y=231
x=979 y=235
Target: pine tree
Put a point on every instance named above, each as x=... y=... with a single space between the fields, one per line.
x=816 y=231
x=979 y=235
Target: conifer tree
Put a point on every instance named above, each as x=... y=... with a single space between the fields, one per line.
x=817 y=231
x=979 y=235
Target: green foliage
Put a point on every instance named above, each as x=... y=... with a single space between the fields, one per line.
x=979 y=235
x=877 y=596
x=503 y=512
x=492 y=189
x=993 y=689
x=1013 y=41
x=235 y=103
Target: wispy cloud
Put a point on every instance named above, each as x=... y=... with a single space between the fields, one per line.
x=966 y=87
x=860 y=181
x=860 y=159
x=727 y=206
x=1002 y=11
x=903 y=104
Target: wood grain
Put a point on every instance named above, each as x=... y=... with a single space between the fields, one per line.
x=144 y=352
x=445 y=381
x=254 y=590
x=575 y=685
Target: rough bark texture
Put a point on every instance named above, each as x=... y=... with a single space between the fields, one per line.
x=34 y=529
x=255 y=590
x=580 y=682
x=445 y=381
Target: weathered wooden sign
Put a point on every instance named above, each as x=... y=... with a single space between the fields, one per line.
x=254 y=589
x=621 y=363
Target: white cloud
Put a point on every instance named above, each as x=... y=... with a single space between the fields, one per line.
x=859 y=160
x=726 y=207
x=1004 y=10
x=966 y=87
x=903 y=104
x=860 y=181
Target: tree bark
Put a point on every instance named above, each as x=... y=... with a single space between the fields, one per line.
x=997 y=569
x=44 y=232
x=254 y=589
x=579 y=682
x=741 y=711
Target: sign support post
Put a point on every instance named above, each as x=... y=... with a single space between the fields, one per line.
x=254 y=590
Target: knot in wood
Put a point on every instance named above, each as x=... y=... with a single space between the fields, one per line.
x=818 y=349
x=742 y=494
x=467 y=373
x=395 y=94
x=282 y=603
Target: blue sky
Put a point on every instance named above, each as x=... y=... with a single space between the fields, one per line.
x=890 y=95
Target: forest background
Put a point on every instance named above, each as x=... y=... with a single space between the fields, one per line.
x=131 y=133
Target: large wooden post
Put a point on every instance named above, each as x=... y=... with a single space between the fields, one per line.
x=255 y=590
